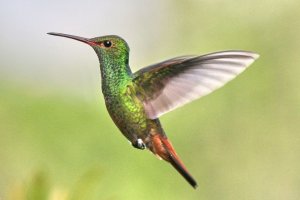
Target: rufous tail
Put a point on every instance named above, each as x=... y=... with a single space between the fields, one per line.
x=164 y=149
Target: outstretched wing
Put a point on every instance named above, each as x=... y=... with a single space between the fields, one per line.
x=167 y=85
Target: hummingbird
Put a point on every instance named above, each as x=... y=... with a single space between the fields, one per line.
x=135 y=101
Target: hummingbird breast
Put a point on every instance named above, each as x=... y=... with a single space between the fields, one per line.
x=127 y=112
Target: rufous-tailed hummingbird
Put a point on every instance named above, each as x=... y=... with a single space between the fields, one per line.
x=136 y=100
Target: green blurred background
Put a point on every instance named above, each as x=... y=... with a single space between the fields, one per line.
x=57 y=141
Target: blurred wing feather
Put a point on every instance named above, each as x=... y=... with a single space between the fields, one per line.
x=167 y=85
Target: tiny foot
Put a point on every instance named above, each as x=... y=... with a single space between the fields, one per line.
x=139 y=144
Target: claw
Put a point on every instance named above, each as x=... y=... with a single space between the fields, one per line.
x=139 y=144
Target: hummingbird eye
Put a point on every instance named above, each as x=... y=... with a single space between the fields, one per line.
x=107 y=43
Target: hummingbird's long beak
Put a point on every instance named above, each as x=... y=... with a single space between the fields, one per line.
x=81 y=39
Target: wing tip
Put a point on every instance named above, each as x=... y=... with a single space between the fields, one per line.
x=248 y=55
x=252 y=54
x=255 y=56
x=252 y=57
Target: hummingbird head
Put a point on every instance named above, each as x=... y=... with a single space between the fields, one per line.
x=110 y=47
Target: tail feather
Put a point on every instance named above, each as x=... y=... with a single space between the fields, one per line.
x=177 y=164
x=163 y=148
